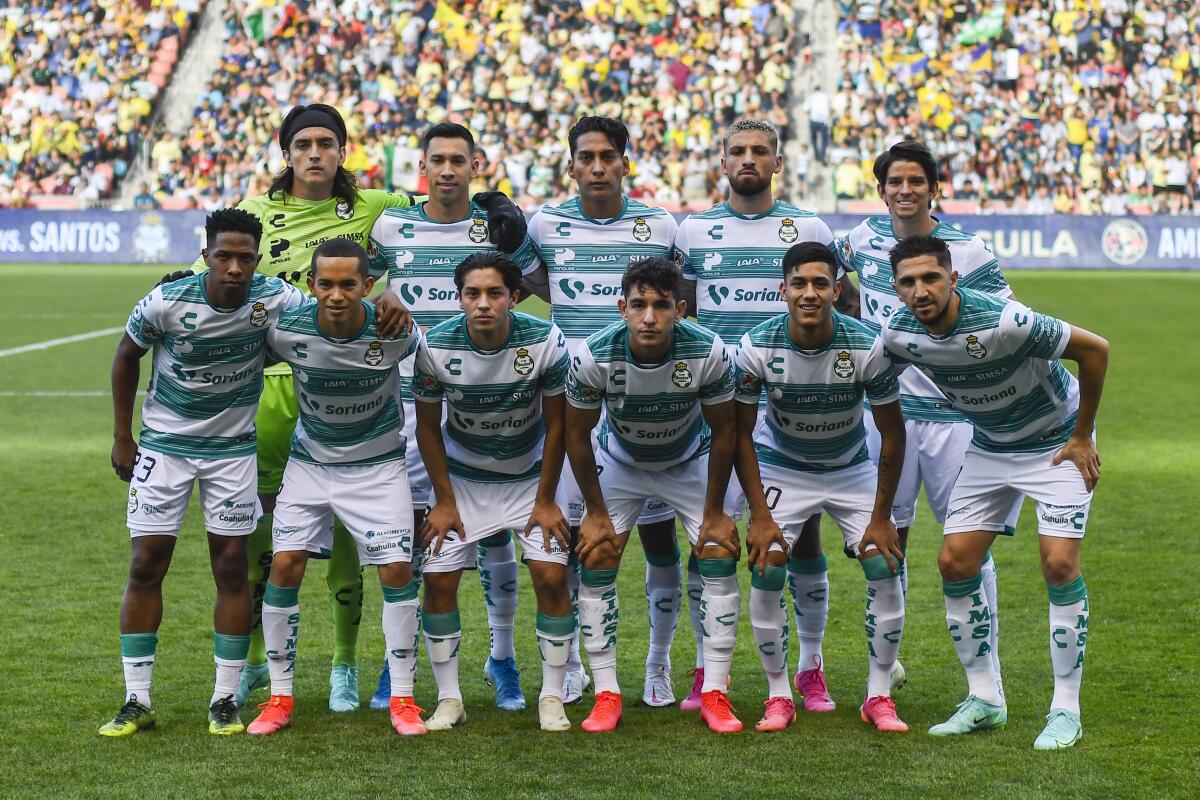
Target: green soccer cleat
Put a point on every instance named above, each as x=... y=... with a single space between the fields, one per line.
x=343 y=688
x=1063 y=729
x=132 y=718
x=972 y=715
x=254 y=676
x=223 y=719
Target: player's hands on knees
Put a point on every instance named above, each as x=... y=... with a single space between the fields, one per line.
x=1081 y=451
x=881 y=536
x=440 y=520
x=718 y=530
x=549 y=517
x=171 y=277
x=761 y=533
x=124 y=451
x=597 y=536
x=506 y=222
x=391 y=317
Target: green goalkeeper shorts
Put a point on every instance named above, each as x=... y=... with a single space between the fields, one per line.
x=274 y=422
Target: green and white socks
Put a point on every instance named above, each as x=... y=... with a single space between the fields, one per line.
x=663 y=595
x=496 y=558
x=599 y=613
x=400 y=635
x=443 y=635
x=695 y=588
x=769 y=622
x=808 y=582
x=137 y=660
x=720 y=605
x=554 y=635
x=281 y=632
x=229 y=653
x=969 y=621
x=1068 y=640
x=884 y=622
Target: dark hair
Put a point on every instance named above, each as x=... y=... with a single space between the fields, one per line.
x=807 y=253
x=907 y=150
x=345 y=185
x=614 y=129
x=510 y=273
x=915 y=246
x=341 y=247
x=656 y=272
x=448 y=130
x=231 y=220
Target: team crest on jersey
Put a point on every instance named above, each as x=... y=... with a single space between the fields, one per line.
x=343 y=209
x=150 y=332
x=974 y=348
x=429 y=383
x=258 y=315
x=682 y=376
x=787 y=231
x=478 y=232
x=747 y=382
x=847 y=251
x=133 y=501
x=374 y=356
x=641 y=229
x=843 y=366
x=523 y=363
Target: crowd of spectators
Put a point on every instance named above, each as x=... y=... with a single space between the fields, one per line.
x=1034 y=106
x=78 y=81
x=516 y=72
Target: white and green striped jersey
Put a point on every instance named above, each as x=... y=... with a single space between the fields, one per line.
x=586 y=258
x=348 y=390
x=737 y=262
x=653 y=418
x=493 y=431
x=814 y=397
x=865 y=250
x=999 y=366
x=207 y=367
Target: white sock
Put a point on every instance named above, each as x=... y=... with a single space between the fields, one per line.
x=574 y=662
x=599 y=613
x=968 y=619
x=1068 y=640
x=137 y=661
x=281 y=632
x=662 y=596
x=808 y=582
x=400 y=621
x=497 y=565
x=988 y=573
x=443 y=633
x=884 y=624
x=229 y=653
x=695 y=588
x=720 y=606
x=769 y=622
x=554 y=641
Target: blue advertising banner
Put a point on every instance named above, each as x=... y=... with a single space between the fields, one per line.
x=1019 y=241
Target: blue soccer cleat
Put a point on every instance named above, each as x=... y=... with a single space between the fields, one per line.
x=504 y=676
x=383 y=692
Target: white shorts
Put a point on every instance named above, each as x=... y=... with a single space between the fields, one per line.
x=654 y=510
x=626 y=490
x=162 y=486
x=847 y=495
x=486 y=509
x=991 y=487
x=418 y=477
x=371 y=500
x=933 y=455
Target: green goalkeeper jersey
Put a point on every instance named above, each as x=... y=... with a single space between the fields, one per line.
x=292 y=229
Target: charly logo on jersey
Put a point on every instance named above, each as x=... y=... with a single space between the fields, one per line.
x=374 y=355
x=523 y=363
x=843 y=366
x=343 y=209
x=1124 y=242
x=151 y=238
x=974 y=348
x=133 y=501
x=641 y=229
x=478 y=232
x=258 y=315
x=787 y=231
x=682 y=376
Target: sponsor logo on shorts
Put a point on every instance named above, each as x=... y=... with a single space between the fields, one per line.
x=285 y=530
x=150 y=510
x=956 y=511
x=1072 y=516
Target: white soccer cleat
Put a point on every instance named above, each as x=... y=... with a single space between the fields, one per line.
x=658 y=691
x=552 y=716
x=449 y=712
x=575 y=683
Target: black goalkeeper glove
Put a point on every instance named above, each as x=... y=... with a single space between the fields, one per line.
x=506 y=222
x=171 y=277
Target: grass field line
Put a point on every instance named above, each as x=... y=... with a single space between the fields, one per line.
x=79 y=337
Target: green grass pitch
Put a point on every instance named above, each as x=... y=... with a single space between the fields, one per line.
x=65 y=559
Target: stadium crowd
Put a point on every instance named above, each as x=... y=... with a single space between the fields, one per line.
x=79 y=79
x=1068 y=106
x=518 y=72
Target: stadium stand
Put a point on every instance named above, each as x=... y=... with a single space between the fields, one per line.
x=78 y=82
x=1068 y=106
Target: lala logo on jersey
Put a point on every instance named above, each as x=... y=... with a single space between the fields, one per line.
x=133 y=501
x=843 y=367
x=374 y=356
x=478 y=232
x=641 y=229
x=523 y=363
x=682 y=376
x=258 y=315
x=787 y=231
x=343 y=209
x=974 y=348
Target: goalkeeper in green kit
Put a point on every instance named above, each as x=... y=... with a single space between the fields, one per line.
x=314 y=199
